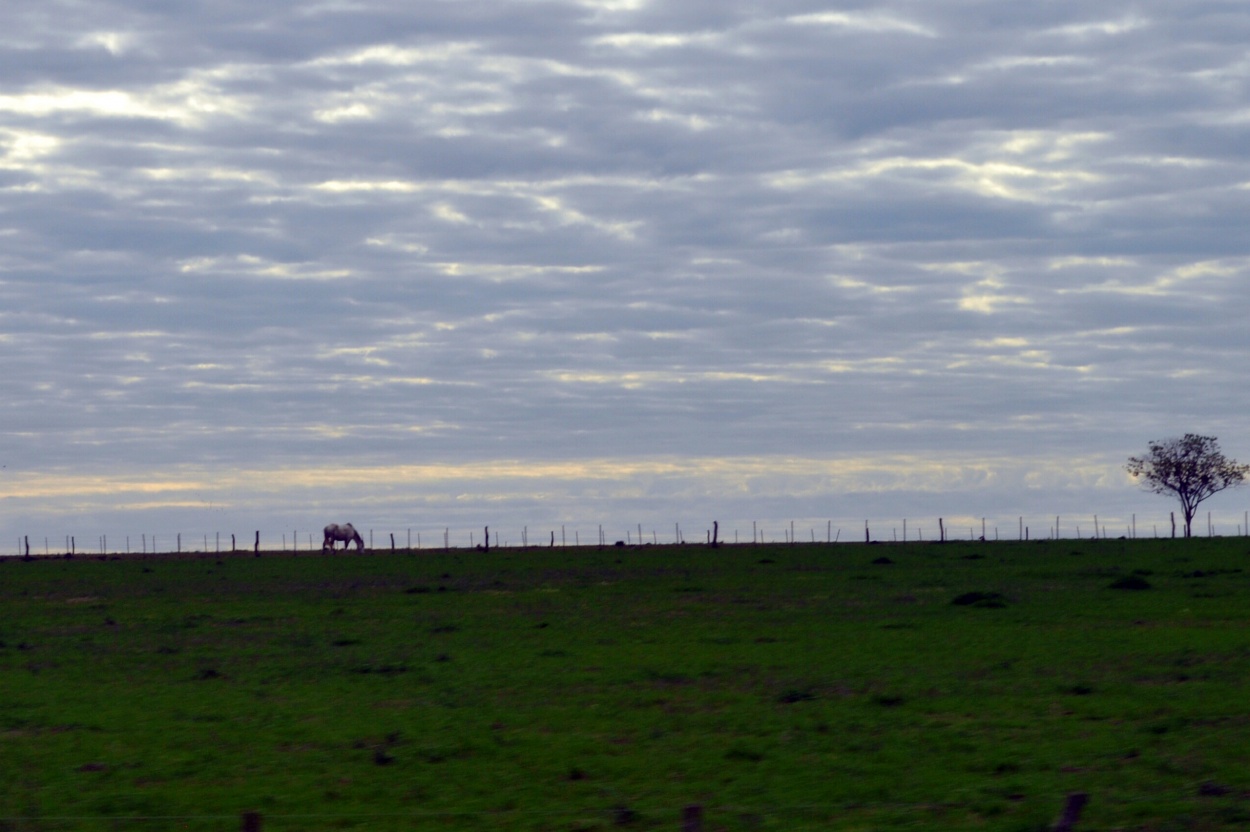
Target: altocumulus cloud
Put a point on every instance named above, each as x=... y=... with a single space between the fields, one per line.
x=453 y=264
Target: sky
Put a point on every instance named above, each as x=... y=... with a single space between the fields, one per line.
x=555 y=265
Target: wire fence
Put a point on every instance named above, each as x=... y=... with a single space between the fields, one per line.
x=1052 y=527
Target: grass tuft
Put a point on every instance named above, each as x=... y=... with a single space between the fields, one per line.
x=984 y=600
x=1130 y=582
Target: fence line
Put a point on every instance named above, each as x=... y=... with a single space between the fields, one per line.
x=637 y=535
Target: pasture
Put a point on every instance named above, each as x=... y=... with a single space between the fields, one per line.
x=779 y=686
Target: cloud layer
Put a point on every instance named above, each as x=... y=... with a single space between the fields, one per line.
x=712 y=260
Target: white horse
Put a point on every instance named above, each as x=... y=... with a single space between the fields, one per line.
x=345 y=533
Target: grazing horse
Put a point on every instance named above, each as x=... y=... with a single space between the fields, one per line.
x=345 y=533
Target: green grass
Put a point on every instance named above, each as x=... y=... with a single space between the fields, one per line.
x=781 y=687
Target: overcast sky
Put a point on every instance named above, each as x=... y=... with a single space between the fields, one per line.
x=428 y=265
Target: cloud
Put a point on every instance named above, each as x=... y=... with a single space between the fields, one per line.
x=344 y=237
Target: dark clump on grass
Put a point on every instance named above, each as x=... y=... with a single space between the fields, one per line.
x=888 y=700
x=1130 y=582
x=741 y=752
x=383 y=669
x=1207 y=573
x=1210 y=788
x=624 y=816
x=973 y=557
x=416 y=590
x=1081 y=689
x=208 y=673
x=882 y=561
x=790 y=697
x=984 y=600
x=345 y=642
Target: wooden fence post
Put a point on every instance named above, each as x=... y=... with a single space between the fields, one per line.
x=256 y=546
x=692 y=818
x=1071 y=812
x=392 y=541
x=251 y=822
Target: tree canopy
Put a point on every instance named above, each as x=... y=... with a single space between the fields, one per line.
x=1191 y=467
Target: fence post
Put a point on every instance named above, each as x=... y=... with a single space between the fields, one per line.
x=251 y=822
x=692 y=818
x=1071 y=812
x=256 y=545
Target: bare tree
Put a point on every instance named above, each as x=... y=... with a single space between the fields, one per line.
x=1190 y=467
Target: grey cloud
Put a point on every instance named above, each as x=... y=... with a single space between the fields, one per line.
x=349 y=234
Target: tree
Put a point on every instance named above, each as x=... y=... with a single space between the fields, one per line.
x=1190 y=467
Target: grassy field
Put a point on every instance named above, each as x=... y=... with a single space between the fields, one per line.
x=781 y=687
